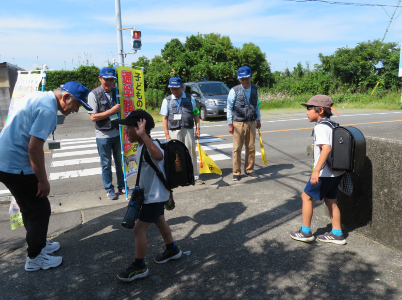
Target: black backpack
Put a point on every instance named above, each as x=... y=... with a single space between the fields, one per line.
x=178 y=164
x=348 y=147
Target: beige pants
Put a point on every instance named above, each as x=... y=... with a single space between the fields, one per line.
x=244 y=133
x=187 y=137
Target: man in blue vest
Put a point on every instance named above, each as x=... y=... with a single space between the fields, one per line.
x=104 y=106
x=22 y=164
x=179 y=113
x=243 y=115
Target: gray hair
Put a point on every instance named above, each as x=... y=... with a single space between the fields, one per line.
x=61 y=93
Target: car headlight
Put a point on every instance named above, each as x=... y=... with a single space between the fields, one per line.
x=211 y=102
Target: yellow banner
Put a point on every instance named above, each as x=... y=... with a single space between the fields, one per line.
x=207 y=165
x=131 y=91
x=262 y=150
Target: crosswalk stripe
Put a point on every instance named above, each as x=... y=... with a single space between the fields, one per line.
x=79 y=139
x=77 y=142
x=76 y=147
x=209 y=140
x=74 y=153
x=77 y=173
x=63 y=163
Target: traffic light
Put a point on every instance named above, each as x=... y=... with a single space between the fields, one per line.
x=136 y=39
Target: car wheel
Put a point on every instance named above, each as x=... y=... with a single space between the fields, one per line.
x=203 y=114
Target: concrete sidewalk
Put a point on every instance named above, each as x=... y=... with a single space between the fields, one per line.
x=238 y=235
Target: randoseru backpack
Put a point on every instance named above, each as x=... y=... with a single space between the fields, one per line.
x=348 y=147
x=178 y=164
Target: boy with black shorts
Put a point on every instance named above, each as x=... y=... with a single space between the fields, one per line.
x=323 y=183
x=138 y=128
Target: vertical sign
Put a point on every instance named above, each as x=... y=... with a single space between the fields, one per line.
x=131 y=90
x=26 y=83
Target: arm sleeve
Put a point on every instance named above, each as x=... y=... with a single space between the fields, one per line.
x=44 y=123
x=230 y=102
x=322 y=135
x=164 y=108
x=92 y=103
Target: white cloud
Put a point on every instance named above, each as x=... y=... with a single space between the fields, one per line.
x=30 y=23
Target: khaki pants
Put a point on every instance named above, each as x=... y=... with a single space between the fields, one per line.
x=187 y=137
x=244 y=133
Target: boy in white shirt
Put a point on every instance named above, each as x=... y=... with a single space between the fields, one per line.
x=138 y=127
x=324 y=181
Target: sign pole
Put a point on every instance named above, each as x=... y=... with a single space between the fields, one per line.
x=119 y=33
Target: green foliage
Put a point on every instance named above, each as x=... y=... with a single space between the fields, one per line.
x=210 y=56
x=364 y=65
x=154 y=98
x=87 y=75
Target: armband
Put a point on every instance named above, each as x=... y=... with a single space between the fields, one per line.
x=196 y=111
x=258 y=102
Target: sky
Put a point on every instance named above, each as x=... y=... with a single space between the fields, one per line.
x=64 y=34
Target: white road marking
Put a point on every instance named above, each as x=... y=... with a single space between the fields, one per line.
x=4 y=192
x=76 y=147
x=77 y=142
x=209 y=140
x=63 y=163
x=74 y=153
x=77 y=173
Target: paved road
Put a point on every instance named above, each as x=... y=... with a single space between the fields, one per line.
x=237 y=232
x=75 y=168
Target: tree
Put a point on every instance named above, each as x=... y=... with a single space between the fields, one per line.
x=364 y=65
x=209 y=56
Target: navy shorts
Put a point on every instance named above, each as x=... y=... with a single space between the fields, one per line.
x=327 y=187
x=151 y=212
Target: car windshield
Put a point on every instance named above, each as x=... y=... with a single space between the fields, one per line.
x=213 y=88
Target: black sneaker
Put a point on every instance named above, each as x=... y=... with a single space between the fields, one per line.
x=168 y=255
x=301 y=236
x=332 y=238
x=253 y=175
x=133 y=272
x=236 y=177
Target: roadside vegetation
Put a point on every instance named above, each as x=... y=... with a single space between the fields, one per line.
x=348 y=76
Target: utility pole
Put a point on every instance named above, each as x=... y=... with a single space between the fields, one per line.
x=119 y=33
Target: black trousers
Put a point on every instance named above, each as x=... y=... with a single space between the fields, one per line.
x=35 y=211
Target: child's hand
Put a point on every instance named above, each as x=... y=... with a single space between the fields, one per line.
x=314 y=178
x=141 y=127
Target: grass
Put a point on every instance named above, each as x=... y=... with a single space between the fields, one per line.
x=389 y=100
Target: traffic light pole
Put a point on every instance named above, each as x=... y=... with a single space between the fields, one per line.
x=119 y=33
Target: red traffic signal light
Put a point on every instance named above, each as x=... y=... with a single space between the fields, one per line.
x=136 y=34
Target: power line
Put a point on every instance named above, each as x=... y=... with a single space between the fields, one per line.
x=390 y=21
x=347 y=3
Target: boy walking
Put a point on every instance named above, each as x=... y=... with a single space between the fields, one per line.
x=323 y=183
x=138 y=127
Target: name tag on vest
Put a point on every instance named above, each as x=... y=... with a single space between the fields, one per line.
x=114 y=117
x=177 y=117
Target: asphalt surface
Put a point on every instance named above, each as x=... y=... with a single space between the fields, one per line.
x=236 y=234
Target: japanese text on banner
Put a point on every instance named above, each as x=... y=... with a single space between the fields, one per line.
x=131 y=90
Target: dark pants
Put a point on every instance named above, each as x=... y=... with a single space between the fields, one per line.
x=35 y=211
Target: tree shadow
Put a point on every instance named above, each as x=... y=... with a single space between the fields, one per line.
x=236 y=251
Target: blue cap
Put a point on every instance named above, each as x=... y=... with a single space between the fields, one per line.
x=243 y=72
x=79 y=91
x=175 y=82
x=107 y=73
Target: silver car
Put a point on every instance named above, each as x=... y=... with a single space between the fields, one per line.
x=210 y=97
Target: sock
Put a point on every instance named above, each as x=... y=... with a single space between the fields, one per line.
x=170 y=246
x=337 y=232
x=306 y=229
x=139 y=262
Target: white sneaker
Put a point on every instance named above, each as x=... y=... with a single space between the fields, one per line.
x=51 y=246
x=111 y=195
x=42 y=261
